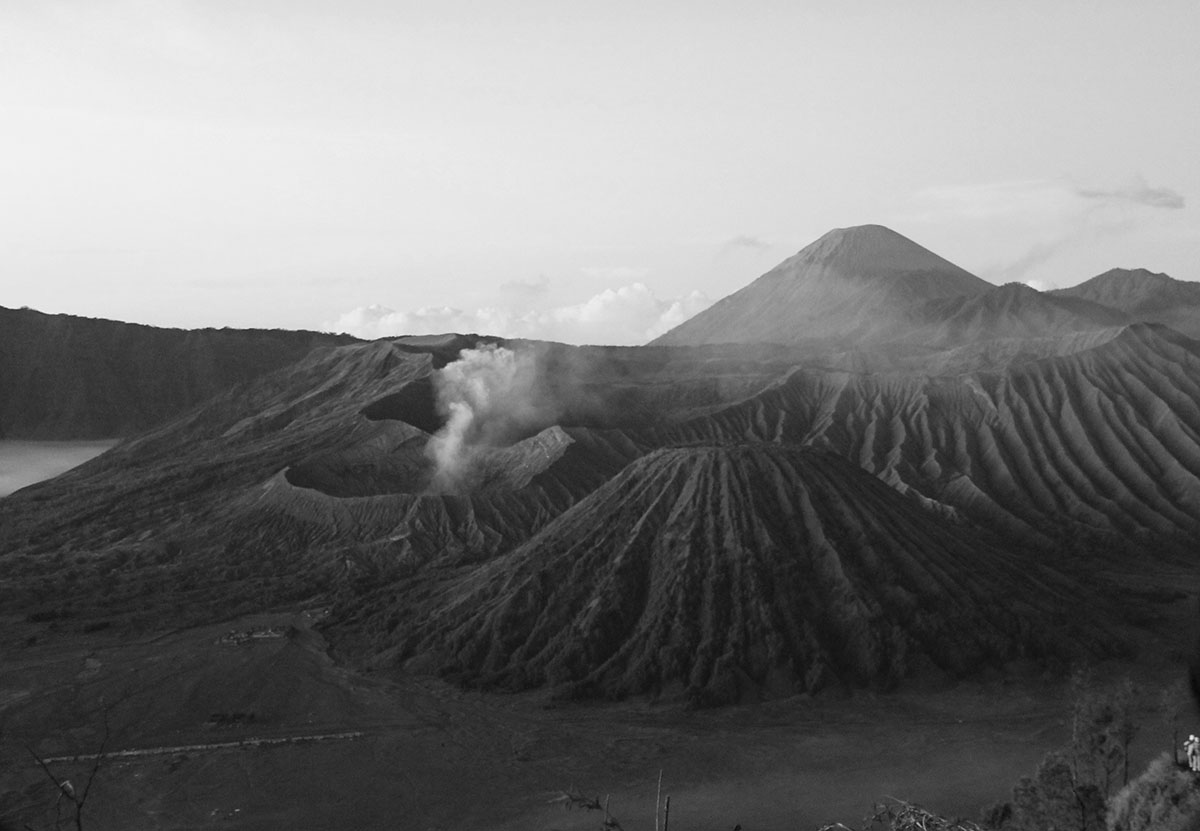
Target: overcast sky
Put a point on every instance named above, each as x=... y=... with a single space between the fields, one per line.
x=583 y=172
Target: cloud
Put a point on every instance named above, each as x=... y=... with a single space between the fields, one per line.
x=628 y=315
x=1035 y=199
x=1055 y=216
x=743 y=242
x=527 y=289
x=377 y=321
x=1138 y=193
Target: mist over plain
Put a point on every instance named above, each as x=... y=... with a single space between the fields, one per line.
x=23 y=463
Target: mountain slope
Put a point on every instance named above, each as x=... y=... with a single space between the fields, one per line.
x=319 y=473
x=724 y=571
x=1105 y=439
x=315 y=483
x=65 y=377
x=1144 y=296
x=851 y=284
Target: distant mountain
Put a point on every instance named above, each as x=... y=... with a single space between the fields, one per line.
x=66 y=377
x=853 y=284
x=1013 y=310
x=868 y=287
x=1143 y=296
x=718 y=573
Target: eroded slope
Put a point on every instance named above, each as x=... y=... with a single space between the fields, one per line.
x=720 y=572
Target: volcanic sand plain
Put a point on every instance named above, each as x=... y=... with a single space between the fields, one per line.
x=249 y=724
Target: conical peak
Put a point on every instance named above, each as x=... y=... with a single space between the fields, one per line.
x=873 y=250
x=851 y=283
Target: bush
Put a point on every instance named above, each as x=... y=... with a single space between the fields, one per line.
x=1072 y=786
x=1164 y=798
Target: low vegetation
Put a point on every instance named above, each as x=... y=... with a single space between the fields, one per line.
x=898 y=815
x=1164 y=798
x=1085 y=785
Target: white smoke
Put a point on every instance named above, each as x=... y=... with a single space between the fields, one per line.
x=489 y=397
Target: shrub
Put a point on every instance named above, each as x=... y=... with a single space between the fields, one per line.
x=1071 y=787
x=1164 y=798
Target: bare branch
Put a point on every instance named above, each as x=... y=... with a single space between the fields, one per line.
x=58 y=785
x=95 y=767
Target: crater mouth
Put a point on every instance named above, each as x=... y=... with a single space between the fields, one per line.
x=374 y=469
x=414 y=403
x=366 y=471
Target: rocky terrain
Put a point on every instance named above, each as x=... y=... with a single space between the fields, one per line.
x=66 y=377
x=735 y=570
x=867 y=470
x=363 y=475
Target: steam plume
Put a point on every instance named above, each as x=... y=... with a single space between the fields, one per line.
x=489 y=397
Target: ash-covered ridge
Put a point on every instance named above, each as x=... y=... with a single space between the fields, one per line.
x=718 y=573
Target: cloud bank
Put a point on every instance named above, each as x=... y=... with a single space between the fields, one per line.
x=629 y=315
x=1055 y=216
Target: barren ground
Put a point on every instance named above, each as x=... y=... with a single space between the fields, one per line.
x=432 y=756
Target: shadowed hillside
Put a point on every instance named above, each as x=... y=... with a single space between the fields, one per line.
x=722 y=572
x=65 y=377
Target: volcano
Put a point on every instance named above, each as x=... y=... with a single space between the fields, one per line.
x=853 y=285
x=917 y=486
x=720 y=572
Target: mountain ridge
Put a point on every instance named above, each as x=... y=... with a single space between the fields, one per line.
x=68 y=377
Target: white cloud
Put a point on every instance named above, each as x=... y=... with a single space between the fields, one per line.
x=1043 y=219
x=629 y=315
x=527 y=289
x=1138 y=193
x=744 y=242
x=1037 y=199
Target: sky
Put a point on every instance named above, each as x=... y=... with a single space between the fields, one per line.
x=584 y=172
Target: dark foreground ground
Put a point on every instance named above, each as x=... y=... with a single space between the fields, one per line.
x=267 y=732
